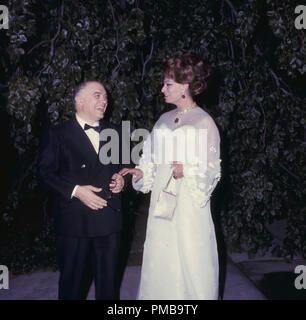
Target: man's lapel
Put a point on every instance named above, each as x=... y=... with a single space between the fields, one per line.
x=82 y=142
x=104 y=125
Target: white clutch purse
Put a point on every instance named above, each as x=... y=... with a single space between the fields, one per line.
x=167 y=199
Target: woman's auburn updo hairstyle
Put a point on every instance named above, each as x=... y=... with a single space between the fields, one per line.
x=188 y=68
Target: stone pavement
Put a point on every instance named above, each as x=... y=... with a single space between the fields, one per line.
x=42 y=285
x=274 y=277
x=246 y=279
x=261 y=278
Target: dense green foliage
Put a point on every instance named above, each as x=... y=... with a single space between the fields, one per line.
x=53 y=45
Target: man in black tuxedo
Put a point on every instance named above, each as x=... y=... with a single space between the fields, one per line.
x=87 y=197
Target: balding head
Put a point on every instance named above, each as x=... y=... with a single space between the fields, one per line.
x=78 y=89
x=90 y=99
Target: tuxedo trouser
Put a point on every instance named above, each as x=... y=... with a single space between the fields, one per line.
x=82 y=259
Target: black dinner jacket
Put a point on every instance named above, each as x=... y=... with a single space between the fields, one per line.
x=67 y=158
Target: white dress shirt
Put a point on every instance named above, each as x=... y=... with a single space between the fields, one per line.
x=92 y=134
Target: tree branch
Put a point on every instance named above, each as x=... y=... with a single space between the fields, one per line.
x=264 y=124
x=275 y=77
x=278 y=81
x=232 y=50
x=289 y=172
x=113 y=12
x=257 y=50
x=221 y=12
x=38 y=45
x=147 y=60
x=53 y=40
x=114 y=71
x=286 y=92
x=240 y=85
x=243 y=53
x=229 y=3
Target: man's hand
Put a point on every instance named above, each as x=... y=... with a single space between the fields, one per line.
x=87 y=195
x=177 y=170
x=136 y=172
x=117 y=183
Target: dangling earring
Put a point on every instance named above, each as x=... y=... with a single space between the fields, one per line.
x=183 y=94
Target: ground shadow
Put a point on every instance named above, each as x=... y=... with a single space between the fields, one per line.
x=280 y=286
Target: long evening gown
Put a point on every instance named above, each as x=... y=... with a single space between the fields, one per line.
x=180 y=259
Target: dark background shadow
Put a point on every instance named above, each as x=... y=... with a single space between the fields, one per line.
x=280 y=286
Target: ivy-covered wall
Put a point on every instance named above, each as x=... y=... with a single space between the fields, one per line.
x=258 y=104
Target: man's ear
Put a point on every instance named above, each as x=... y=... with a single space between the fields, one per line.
x=78 y=101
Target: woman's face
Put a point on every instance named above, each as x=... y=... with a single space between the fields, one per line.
x=173 y=90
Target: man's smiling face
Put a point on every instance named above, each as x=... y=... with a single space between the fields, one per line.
x=92 y=102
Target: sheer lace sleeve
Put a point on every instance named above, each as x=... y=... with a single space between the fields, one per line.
x=202 y=177
x=146 y=165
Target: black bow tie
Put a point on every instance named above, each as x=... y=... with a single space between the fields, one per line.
x=96 y=128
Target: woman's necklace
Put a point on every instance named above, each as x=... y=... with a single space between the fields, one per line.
x=180 y=113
